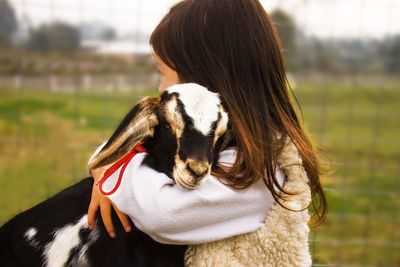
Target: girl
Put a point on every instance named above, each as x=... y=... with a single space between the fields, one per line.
x=230 y=47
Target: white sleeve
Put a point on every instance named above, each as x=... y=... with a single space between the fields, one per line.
x=173 y=215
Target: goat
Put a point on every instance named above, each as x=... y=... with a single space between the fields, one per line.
x=183 y=130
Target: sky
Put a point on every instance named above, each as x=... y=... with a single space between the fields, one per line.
x=322 y=18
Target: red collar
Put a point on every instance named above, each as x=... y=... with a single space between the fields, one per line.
x=139 y=148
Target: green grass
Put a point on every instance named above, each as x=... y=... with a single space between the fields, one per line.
x=47 y=138
x=358 y=129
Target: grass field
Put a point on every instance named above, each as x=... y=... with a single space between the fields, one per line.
x=47 y=138
x=358 y=129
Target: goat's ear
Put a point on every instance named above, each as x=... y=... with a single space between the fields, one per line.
x=137 y=124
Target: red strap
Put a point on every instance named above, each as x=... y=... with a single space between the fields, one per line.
x=139 y=148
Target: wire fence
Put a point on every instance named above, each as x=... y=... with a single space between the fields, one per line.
x=54 y=114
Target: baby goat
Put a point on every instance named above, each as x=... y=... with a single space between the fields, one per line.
x=183 y=130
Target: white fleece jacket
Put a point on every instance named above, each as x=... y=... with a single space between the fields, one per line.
x=282 y=241
x=173 y=215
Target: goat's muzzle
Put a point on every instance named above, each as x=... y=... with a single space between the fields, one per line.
x=191 y=173
x=197 y=168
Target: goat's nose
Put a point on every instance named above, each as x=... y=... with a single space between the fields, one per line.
x=199 y=155
x=197 y=167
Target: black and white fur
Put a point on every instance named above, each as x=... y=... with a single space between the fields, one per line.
x=184 y=130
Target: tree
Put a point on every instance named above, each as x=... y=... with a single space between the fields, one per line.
x=323 y=62
x=56 y=37
x=4 y=41
x=8 y=23
x=392 y=55
x=97 y=31
x=108 y=34
x=286 y=28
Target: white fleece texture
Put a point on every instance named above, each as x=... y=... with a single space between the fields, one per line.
x=282 y=241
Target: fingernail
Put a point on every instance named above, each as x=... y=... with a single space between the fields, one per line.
x=128 y=229
x=90 y=227
x=112 y=234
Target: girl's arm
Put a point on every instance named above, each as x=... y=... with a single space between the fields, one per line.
x=99 y=201
x=173 y=215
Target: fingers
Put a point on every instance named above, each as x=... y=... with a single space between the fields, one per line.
x=105 y=209
x=123 y=218
x=105 y=204
x=93 y=207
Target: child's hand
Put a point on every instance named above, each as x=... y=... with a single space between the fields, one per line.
x=99 y=200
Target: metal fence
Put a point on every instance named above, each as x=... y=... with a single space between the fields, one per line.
x=350 y=108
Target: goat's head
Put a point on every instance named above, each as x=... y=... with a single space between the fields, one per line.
x=185 y=124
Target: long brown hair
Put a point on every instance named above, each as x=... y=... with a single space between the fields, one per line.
x=231 y=47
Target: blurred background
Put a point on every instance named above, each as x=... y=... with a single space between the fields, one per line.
x=70 y=70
